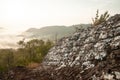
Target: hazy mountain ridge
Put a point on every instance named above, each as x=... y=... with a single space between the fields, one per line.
x=48 y=32
x=51 y=32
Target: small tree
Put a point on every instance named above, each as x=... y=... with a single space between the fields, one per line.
x=35 y=50
x=100 y=19
x=8 y=59
x=21 y=43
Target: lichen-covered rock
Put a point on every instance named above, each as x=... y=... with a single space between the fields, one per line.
x=96 y=50
x=89 y=54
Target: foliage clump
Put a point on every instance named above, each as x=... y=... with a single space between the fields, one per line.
x=100 y=18
x=32 y=51
x=36 y=49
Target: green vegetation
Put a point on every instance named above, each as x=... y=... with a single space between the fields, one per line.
x=29 y=52
x=100 y=19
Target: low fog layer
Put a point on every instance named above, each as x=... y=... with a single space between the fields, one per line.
x=9 y=41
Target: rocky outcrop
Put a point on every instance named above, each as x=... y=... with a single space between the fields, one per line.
x=95 y=50
x=89 y=54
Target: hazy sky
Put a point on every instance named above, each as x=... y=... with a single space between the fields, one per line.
x=19 y=15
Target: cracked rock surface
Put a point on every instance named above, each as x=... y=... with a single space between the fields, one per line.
x=89 y=54
x=96 y=50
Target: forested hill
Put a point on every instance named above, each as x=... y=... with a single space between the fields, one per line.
x=51 y=32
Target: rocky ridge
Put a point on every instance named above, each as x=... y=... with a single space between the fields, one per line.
x=96 y=50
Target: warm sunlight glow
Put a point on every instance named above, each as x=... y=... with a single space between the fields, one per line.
x=19 y=15
x=15 y=12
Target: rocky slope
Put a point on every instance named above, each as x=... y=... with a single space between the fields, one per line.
x=96 y=50
x=89 y=54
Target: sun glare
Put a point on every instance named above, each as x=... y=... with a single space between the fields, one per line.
x=14 y=11
x=23 y=14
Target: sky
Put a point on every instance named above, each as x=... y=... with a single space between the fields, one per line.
x=17 y=16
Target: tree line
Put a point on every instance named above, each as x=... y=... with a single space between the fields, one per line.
x=32 y=51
